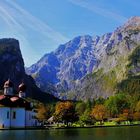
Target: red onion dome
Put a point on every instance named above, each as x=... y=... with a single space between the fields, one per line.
x=8 y=83
x=22 y=87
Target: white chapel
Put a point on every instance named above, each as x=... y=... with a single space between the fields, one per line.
x=15 y=111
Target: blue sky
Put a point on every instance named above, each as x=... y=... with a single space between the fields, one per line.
x=42 y=25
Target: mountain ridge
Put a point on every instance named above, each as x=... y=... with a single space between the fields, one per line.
x=85 y=55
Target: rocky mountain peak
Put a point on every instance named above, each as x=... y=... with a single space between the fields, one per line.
x=81 y=56
x=12 y=66
x=9 y=45
x=133 y=21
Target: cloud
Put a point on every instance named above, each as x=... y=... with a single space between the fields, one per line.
x=100 y=11
x=18 y=18
x=36 y=37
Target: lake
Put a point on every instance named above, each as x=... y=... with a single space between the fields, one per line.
x=110 y=133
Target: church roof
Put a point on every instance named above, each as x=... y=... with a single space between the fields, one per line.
x=5 y=101
x=14 y=101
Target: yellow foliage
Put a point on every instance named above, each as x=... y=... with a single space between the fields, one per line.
x=99 y=112
x=42 y=112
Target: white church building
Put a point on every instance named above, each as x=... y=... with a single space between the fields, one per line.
x=15 y=111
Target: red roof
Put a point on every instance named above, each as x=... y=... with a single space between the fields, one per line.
x=5 y=100
x=14 y=101
x=2 y=97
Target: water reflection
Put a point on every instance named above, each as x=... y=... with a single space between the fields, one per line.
x=101 y=132
x=122 y=133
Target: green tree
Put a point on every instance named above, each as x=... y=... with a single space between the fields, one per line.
x=85 y=118
x=99 y=101
x=133 y=100
x=122 y=102
x=88 y=104
x=116 y=104
x=111 y=106
x=80 y=108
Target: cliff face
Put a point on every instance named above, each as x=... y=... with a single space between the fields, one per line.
x=11 y=62
x=12 y=66
x=61 y=68
x=87 y=67
x=118 y=68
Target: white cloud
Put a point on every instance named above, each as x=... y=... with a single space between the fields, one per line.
x=35 y=36
x=100 y=11
x=18 y=18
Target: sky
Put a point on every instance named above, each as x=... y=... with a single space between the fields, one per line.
x=42 y=25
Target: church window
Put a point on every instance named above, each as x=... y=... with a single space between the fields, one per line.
x=8 y=114
x=14 y=115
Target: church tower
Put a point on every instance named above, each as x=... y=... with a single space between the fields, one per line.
x=8 y=87
x=22 y=90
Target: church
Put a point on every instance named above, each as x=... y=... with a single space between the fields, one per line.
x=15 y=110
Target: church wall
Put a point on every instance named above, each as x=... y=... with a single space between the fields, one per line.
x=30 y=118
x=17 y=117
x=4 y=117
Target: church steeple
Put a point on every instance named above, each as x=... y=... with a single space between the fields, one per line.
x=22 y=90
x=8 y=87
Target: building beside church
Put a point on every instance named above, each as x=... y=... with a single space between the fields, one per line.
x=16 y=111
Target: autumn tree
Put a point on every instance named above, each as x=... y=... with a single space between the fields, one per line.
x=42 y=112
x=99 y=113
x=137 y=108
x=65 y=111
x=136 y=116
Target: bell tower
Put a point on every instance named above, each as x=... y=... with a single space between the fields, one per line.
x=8 y=87
x=22 y=90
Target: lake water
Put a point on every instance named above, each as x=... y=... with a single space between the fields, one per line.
x=112 y=133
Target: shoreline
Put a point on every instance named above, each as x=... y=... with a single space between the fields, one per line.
x=72 y=127
x=99 y=126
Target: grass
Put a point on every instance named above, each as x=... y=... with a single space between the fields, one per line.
x=97 y=124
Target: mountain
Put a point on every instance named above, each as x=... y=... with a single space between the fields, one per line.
x=12 y=66
x=118 y=68
x=59 y=69
x=88 y=67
